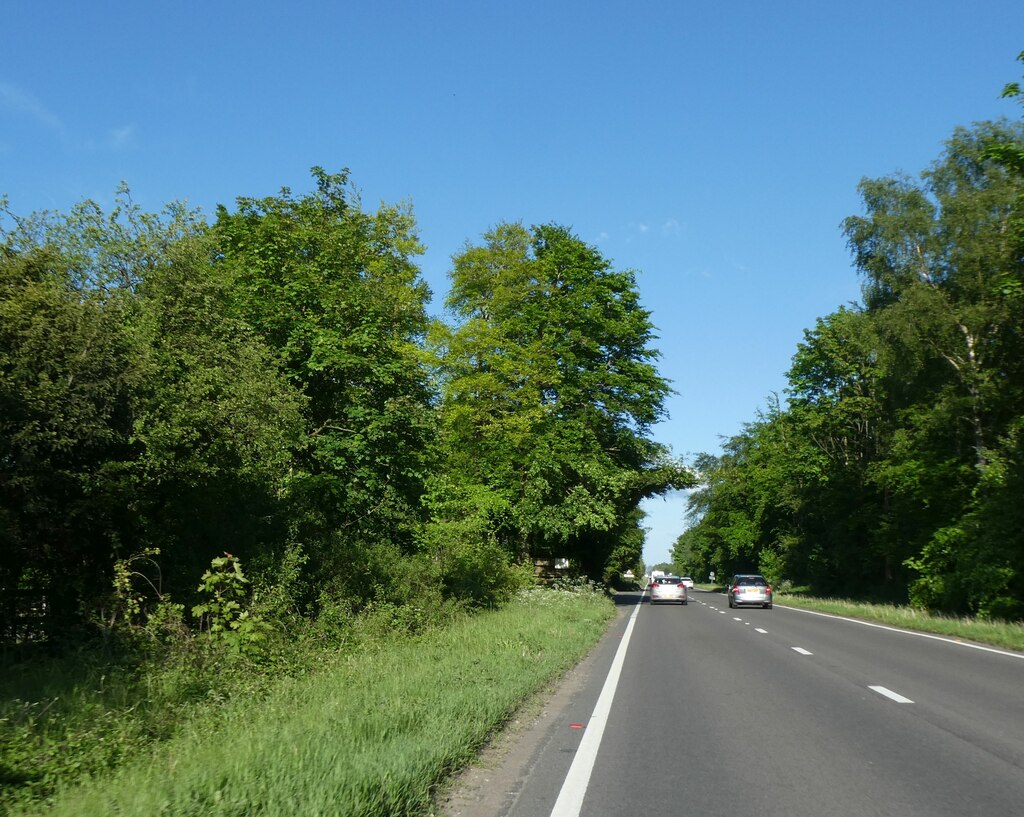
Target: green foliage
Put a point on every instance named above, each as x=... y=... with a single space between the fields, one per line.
x=626 y=551
x=137 y=414
x=406 y=711
x=138 y=612
x=224 y=613
x=333 y=293
x=70 y=370
x=374 y=734
x=171 y=389
x=891 y=467
x=549 y=391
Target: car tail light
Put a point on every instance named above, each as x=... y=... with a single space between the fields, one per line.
x=768 y=590
x=735 y=589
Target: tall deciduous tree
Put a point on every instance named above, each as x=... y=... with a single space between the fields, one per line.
x=902 y=434
x=942 y=268
x=134 y=412
x=216 y=423
x=550 y=391
x=334 y=292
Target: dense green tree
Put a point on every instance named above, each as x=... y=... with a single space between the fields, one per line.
x=216 y=424
x=550 y=392
x=942 y=270
x=334 y=293
x=889 y=472
x=64 y=414
x=745 y=502
x=851 y=529
x=134 y=412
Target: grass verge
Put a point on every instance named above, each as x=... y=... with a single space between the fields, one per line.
x=372 y=736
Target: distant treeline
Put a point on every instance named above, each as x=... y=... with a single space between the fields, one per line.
x=181 y=396
x=894 y=467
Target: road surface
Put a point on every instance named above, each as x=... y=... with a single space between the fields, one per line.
x=711 y=711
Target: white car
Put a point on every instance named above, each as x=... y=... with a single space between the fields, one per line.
x=667 y=588
x=686 y=580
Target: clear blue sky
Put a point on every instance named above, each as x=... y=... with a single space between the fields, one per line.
x=714 y=145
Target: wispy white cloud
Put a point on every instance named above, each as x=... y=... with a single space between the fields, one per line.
x=21 y=103
x=123 y=137
x=669 y=228
x=17 y=102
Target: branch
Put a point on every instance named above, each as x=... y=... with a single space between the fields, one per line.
x=328 y=427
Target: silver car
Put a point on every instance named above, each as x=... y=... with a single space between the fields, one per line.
x=667 y=588
x=749 y=588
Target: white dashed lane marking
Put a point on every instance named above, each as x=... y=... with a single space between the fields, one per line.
x=888 y=693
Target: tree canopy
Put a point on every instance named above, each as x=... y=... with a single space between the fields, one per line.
x=549 y=392
x=891 y=467
x=259 y=389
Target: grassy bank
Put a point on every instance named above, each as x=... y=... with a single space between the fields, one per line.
x=371 y=736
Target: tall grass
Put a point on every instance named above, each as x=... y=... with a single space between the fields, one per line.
x=372 y=735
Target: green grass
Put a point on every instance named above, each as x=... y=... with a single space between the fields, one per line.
x=373 y=735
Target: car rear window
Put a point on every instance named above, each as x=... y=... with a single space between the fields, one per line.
x=666 y=580
x=752 y=581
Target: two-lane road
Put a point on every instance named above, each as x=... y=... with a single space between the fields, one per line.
x=783 y=712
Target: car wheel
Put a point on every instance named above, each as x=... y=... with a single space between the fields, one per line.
x=767 y=607
x=685 y=603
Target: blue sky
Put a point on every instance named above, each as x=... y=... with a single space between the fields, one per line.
x=712 y=146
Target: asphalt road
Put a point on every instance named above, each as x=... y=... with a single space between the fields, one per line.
x=779 y=712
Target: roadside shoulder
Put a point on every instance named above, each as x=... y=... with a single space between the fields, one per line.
x=492 y=784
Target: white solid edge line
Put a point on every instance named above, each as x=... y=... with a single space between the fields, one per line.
x=888 y=693
x=570 y=798
x=905 y=632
